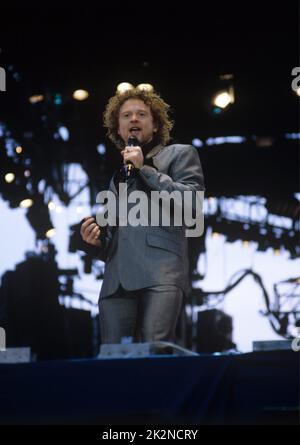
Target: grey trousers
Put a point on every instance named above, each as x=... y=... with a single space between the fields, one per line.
x=145 y=315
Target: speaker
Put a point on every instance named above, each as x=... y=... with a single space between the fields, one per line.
x=214 y=332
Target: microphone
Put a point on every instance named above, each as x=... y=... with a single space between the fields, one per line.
x=132 y=141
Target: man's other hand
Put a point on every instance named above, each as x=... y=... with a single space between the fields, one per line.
x=90 y=232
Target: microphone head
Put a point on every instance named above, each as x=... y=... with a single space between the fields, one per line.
x=132 y=141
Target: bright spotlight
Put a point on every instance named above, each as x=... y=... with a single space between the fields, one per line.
x=123 y=87
x=222 y=99
x=197 y=142
x=101 y=149
x=80 y=94
x=9 y=177
x=26 y=203
x=19 y=149
x=35 y=98
x=226 y=95
x=145 y=87
x=64 y=133
x=50 y=233
x=51 y=205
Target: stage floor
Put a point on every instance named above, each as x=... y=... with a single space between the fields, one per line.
x=252 y=388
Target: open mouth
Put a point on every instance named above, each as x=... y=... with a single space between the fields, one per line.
x=134 y=131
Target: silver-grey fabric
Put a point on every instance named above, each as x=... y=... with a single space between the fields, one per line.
x=144 y=315
x=146 y=256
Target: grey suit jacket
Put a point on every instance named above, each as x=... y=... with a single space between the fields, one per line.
x=144 y=256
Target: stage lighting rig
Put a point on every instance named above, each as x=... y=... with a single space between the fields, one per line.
x=39 y=218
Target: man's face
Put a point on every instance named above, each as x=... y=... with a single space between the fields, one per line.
x=135 y=119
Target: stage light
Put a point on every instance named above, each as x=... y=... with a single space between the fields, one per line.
x=34 y=99
x=145 y=87
x=123 y=87
x=19 y=149
x=26 y=203
x=51 y=205
x=64 y=133
x=225 y=96
x=293 y=136
x=9 y=177
x=197 y=142
x=222 y=99
x=16 y=194
x=80 y=95
x=27 y=173
x=225 y=140
x=50 y=233
x=101 y=149
x=39 y=218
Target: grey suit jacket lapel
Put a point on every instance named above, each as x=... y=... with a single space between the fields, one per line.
x=155 y=150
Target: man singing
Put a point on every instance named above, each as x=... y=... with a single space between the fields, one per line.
x=146 y=270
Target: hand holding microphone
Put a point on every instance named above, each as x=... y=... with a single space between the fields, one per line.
x=132 y=155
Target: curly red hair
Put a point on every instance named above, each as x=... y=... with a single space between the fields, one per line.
x=159 y=110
